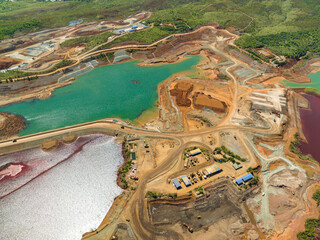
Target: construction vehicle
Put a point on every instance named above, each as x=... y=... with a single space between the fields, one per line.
x=190 y=229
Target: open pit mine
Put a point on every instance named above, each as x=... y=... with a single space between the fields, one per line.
x=184 y=138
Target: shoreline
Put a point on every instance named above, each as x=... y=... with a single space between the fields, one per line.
x=142 y=119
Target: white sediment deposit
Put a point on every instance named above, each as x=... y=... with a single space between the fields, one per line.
x=69 y=199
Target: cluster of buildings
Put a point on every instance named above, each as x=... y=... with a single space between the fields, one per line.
x=130 y=29
x=192 y=178
x=244 y=179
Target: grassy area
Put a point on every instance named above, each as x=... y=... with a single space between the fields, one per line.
x=102 y=57
x=231 y=155
x=271 y=17
x=154 y=195
x=316 y=197
x=90 y=41
x=200 y=190
x=60 y=13
x=294 y=147
x=311 y=224
x=314 y=91
x=124 y=169
x=289 y=44
x=9 y=75
x=147 y=36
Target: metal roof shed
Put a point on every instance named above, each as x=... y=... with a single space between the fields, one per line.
x=239 y=181
x=195 y=152
x=186 y=181
x=247 y=177
x=176 y=183
x=237 y=166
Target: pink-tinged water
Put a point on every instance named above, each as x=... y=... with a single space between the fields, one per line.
x=310 y=119
x=11 y=171
x=60 y=194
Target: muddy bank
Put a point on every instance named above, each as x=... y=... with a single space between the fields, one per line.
x=119 y=174
x=26 y=92
x=10 y=124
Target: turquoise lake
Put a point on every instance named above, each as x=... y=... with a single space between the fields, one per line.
x=315 y=82
x=107 y=91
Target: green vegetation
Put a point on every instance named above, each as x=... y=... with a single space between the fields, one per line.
x=49 y=14
x=251 y=53
x=311 y=224
x=252 y=170
x=61 y=64
x=294 y=147
x=124 y=169
x=147 y=36
x=28 y=26
x=90 y=41
x=9 y=75
x=102 y=57
x=295 y=18
x=314 y=91
x=223 y=77
x=231 y=156
x=200 y=190
x=172 y=195
x=204 y=120
x=154 y=195
x=316 y=197
x=253 y=181
x=289 y=44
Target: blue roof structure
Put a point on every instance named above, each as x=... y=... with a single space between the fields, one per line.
x=186 y=181
x=176 y=183
x=239 y=181
x=135 y=26
x=247 y=177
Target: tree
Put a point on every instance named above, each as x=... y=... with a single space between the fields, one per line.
x=316 y=197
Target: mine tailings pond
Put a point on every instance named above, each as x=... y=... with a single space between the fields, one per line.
x=122 y=90
x=310 y=118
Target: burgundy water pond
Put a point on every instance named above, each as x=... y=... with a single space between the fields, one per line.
x=310 y=119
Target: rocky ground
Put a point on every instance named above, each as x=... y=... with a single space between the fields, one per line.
x=10 y=124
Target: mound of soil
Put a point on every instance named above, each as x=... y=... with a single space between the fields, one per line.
x=202 y=100
x=6 y=62
x=181 y=92
x=70 y=138
x=10 y=124
x=49 y=144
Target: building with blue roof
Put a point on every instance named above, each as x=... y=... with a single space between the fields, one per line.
x=239 y=181
x=176 y=183
x=186 y=181
x=247 y=177
x=244 y=179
